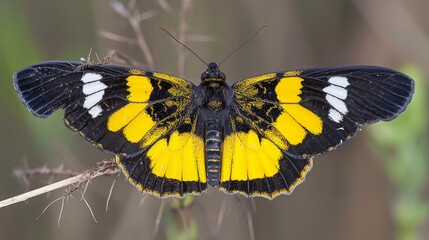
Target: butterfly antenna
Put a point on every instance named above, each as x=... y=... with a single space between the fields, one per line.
x=243 y=44
x=175 y=39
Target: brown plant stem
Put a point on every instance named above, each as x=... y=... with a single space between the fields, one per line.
x=106 y=168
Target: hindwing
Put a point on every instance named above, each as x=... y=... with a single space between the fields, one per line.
x=254 y=165
x=173 y=164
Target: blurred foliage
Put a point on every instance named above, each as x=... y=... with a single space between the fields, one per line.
x=15 y=44
x=181 y=223
x=402 y=148
x=18 y=49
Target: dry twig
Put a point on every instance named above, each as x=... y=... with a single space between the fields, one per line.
x=103 y=169
x=183 y=26
x=134 y=18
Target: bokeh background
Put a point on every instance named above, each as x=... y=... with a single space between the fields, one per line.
x=374 y=187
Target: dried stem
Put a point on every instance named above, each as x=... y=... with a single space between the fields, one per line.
x=186 y=5
x=141 y=41
x=117 y=37
x=134 y=18
x=164 y=5
x=31 y=172
x=104 y=169
x=111 y=191
x=244 y=204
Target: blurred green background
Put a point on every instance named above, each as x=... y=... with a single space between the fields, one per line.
x=374 y=187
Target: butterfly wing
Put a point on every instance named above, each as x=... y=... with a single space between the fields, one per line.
x=304 y=113
x=119 y=109
x=124 y=111
x=254 y=166
x=174 y=165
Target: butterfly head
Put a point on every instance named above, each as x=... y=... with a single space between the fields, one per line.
x=213 y=74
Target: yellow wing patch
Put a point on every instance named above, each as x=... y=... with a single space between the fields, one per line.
x=290 y=129
x=288 y=90
x=134 y=121
x=244 y=157
x=305 y=118
x=139 y=88
x=134 y=118
x=181 y=158
x=295 y=120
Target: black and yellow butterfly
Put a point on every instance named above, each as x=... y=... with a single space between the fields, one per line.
x=257 y=137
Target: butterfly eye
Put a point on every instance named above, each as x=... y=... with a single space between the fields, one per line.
x=204 y=76
x=222 y=76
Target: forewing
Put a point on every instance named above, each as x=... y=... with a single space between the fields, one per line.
x=309 y=112
x=120 y=110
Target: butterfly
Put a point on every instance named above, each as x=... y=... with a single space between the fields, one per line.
x=171 y=137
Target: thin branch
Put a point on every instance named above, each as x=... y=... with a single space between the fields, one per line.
x=250 y=225
x=124 y=58
x=146 y=15
x=184 y=218
x=61 y=211
x=184 y=9
x=158 y=218
x=31 y=172
x=104 y=169
x=134 y=18
x=117 y=37
x=85 y=188
x=89 y=207
x=141 y=41
x=164 y=5
x=221 y=215
x=143 y=199
x=241 y=201
x=50 y=204
x=111 y=191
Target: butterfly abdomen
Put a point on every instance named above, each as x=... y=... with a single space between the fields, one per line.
x=213 y=152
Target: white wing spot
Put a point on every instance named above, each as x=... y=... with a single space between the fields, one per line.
x=91 y=77
x=95 y=111
x=340 y=81
x=336 y=91
x=337 y=104
x=93 y=87
x=94 y=91
x=93 y=99
x=335 y=116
